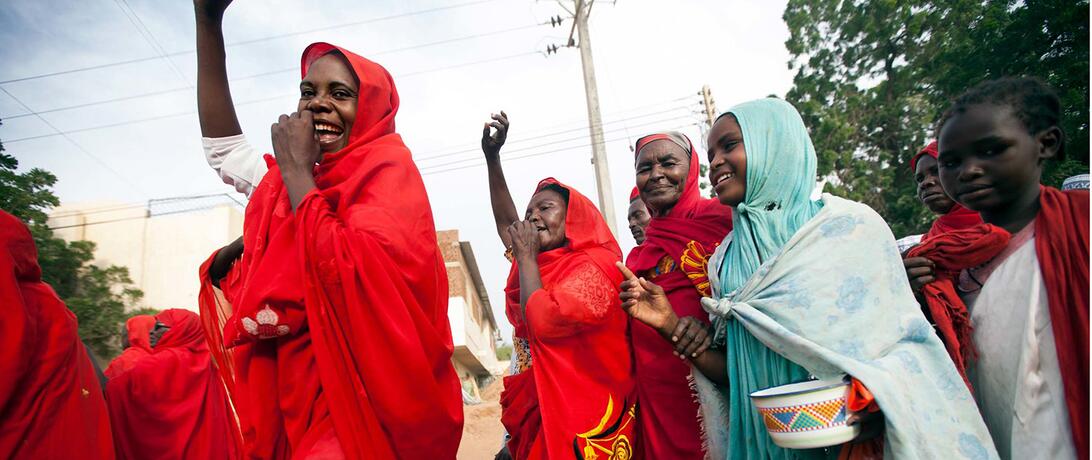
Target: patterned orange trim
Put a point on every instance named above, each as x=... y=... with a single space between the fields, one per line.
x=695 y=263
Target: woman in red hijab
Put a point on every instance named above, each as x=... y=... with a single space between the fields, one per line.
x=953 y=216
x=172 y=403
x=684 y=230
x=334 y=338
x=136 y=344
x=50 y=402
x=572 y=397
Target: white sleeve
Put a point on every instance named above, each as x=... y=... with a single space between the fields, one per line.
x=236 y=161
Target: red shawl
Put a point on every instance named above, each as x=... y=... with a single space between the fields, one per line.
x=340 y=309
x=576 y=396
x=956 y=218
x=953 y=252
x=138 y=328
x=1061 y=245
x=50 y=402
x=172 y=404
x=687 y=236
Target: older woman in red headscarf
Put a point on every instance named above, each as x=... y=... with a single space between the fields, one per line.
x=334 y=336
x=684 y=230
x=51 y=405
x=573 y=394
x=135 y=341
x=172 y=403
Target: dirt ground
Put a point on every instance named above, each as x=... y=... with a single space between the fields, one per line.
x=482 y=430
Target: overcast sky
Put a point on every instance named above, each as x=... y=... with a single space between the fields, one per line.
x=651 y=59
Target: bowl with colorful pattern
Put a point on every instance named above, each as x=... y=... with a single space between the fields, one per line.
x=806 y=415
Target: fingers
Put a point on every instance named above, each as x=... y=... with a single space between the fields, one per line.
x=917 y=262
x=705 y=344
x=625 y=272
x=283 y=118
x=651 y=287
x=485 y=132
x=308 y=116
x=918 y=272
x=497 y=125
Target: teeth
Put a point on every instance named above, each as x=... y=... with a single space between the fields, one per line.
x=327 y=127
x=724 y=177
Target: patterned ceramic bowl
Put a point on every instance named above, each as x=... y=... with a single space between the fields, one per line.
x=806 y=415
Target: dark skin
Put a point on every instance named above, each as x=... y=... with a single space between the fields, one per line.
x=661 y=175
x=542 y=229
x=638 y=219
x=157 y=333
x=927 y=175
x=648 y=303
x=990 y=163
x=321 y=124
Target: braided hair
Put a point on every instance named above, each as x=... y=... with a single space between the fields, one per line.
x=1032 y=101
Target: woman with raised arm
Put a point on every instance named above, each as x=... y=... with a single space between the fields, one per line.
x=573 y=394
x=331 y=330
x=683 y=232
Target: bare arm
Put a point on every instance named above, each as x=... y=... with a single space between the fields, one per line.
x=215 y=109
x=504 y=209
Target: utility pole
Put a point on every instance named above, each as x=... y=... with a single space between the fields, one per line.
x=595 y=121
x=709 y=104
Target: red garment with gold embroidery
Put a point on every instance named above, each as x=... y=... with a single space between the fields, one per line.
x=686 y=237
x=172 y=404
x=325 y=294
x=576 y=397
x=138 y=328
x=51 y=405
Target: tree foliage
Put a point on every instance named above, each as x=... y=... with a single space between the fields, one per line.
x=97 y=295
x=872 y=77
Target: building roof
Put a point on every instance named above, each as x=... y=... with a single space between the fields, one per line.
x=479 y=285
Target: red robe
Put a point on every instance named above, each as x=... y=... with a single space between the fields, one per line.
x=337 y=332
x=172 y=403
x=953 y=252
x=138 y=328
x=51 y=405
x=1061 y=245
x=685 y=238
x=575 y=400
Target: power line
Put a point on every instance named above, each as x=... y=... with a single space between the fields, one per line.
x=189 y=86
x=145 y=32
x=247 y=42
x=524 y=149
x=76 y=144
x=156 y=118
x=531 y=155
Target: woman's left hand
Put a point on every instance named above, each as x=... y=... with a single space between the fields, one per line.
x=294 y=143
x=872 y=424
x=524 y=237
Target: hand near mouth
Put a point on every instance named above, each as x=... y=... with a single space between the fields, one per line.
x=294 y=142
x=524 y=235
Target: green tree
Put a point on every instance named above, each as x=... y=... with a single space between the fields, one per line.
x=873 y=77
x=98 y=296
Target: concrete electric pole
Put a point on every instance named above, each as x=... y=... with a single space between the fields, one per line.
x=709 y=104
x=595 y=121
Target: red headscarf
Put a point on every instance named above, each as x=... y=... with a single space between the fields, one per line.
x=577 y=392
x=172 y=403
x=325 y=293
x=138 y=328
x=634 y=194
x=1061 y=245
x=956 y=218
x=953 y=252
x=685 y=238
x=51 y=405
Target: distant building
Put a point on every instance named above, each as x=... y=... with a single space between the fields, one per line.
x=162 y=242
x=473 y=327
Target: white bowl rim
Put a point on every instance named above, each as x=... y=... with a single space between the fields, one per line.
x=799 y=388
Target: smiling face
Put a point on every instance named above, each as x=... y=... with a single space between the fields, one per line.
x=547 y=211
x=930 y=192
x=991 y=164
x=638 y=219
x=662 y=167
x=330 y=90
x=727 y=161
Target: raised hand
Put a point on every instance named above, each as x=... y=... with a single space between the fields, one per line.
x=294 y=142
x=211 y=8
x=524 y=238
x=690 y=337
x=491 y=144
x=647 y=302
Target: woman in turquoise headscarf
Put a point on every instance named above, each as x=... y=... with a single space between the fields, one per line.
x=808 y=288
